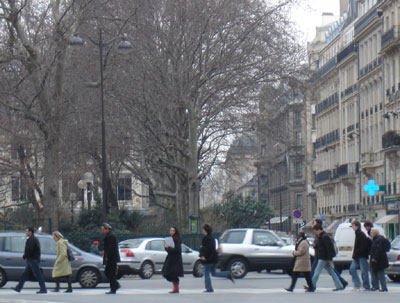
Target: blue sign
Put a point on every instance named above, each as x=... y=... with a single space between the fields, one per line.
x=297 y=213
x=371 y=187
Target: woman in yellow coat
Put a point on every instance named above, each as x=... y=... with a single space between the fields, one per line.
x=62 y=266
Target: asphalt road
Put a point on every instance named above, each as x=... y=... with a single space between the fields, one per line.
x=253 y=288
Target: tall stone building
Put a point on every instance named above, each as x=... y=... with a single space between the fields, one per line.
x=355 y=89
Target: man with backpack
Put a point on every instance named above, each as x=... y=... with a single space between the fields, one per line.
x=361 y=250
x=324 y=252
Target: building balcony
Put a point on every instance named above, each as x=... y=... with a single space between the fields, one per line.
x=330 y=65
x=323 y=176
x=328 y=103
x=390 y=39
x=347 y=51
x=391 y=139
x=367 y=19
x=370 y=67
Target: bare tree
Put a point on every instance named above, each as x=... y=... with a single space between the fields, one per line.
x=195 y=75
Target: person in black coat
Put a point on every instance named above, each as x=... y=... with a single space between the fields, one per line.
x=173 y=265
x=110 y=257
x=209 y=256
x=360 y=257
x=32 y=257
x=378 y=260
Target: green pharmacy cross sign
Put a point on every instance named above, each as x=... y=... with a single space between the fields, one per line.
x=372 y=188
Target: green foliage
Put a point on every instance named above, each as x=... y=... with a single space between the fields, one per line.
x=238 y=212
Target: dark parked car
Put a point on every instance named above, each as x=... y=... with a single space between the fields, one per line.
x=87 y=269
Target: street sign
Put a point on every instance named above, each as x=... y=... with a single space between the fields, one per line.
x=297 y=214
x=298 y=221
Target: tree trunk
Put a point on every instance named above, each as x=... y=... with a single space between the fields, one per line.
x=51 y=185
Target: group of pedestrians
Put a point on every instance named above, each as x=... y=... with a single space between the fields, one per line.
x=372 y=246
x=61 y=269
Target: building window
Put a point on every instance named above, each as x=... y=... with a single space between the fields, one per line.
x=18 y=192
x=298 y=138
x=299 y=169
x=124 y=189
x=394 y=188
x=299 y=201
x=297 y=118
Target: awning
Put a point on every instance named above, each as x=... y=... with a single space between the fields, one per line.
x=388 y=219
x=275 y=220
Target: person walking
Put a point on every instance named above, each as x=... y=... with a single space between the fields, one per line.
x=360 y=257
x=378 y=260
x=302 y=263
x=173 y=265
x=94 y=248
x=110 y=257
x=368 y=226
x=315 y=261
x=209 y=256
x=324 y=252
x=62 y=266
x=32 y=257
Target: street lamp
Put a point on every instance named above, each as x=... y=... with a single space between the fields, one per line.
x=124 y=47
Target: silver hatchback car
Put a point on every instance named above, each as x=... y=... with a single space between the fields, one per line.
x=146 y=256
x=87 y=269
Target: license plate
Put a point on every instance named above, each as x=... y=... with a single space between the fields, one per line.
x=345 y=248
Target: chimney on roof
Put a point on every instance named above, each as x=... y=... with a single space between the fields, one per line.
x=327 y=18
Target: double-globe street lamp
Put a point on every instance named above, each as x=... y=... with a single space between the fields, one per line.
x=124 y=47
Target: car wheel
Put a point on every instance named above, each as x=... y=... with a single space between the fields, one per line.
x=89 y=278
x=238 y=267
x=394 y=278
x=146 y=270
x=198 y=269
x=3 y=278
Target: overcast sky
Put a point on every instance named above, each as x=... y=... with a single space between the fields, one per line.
x=308 y=16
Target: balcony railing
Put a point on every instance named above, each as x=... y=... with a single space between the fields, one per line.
x=328 y=103
x=367 y=19
x=390 y=139
x=327 y=139
x=390 y=37
x=323 y=176
x=347 y=51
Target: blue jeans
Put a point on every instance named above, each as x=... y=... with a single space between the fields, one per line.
x=314 y=265
x=32 y=266
x=211 y=268
x=329 y=268
x=360 y=263
x=376 y=277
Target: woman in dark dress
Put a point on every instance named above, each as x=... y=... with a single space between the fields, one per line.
x=173 y=265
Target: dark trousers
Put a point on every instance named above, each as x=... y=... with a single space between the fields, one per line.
x=314 y=265
x=32 y=266
x=307 y=275
x=58 y=279
x=111 y=273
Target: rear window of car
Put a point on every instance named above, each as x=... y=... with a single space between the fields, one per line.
x=131 y=243
x=47 y=246
x=396 y=243
x=234 y=236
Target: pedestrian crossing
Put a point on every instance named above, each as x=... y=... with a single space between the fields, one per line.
x=163 y=291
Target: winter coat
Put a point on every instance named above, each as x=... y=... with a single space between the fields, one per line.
x=62 y=266
x=111 y=251
x=379 y=259
x=361 y=245
x=32 y=248
x=302 y=255
x=208 y=250
x=324 y=248
x=173 y=265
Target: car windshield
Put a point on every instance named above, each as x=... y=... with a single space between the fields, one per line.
x=131 y=243
x=396 y=243
x=235 y=236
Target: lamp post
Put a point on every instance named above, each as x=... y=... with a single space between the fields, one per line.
x=124 y=46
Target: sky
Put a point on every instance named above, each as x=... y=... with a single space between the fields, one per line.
x=308 y=15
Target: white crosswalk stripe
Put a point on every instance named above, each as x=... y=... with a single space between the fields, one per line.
x=162 y=291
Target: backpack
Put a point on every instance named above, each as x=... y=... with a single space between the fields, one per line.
x=335 y=249
x=70 y=255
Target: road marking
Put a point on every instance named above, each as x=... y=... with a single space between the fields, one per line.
x=163 y=291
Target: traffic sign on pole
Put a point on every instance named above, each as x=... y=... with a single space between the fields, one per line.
x=297 y=213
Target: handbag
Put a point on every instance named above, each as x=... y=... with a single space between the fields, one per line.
x=70 y=255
